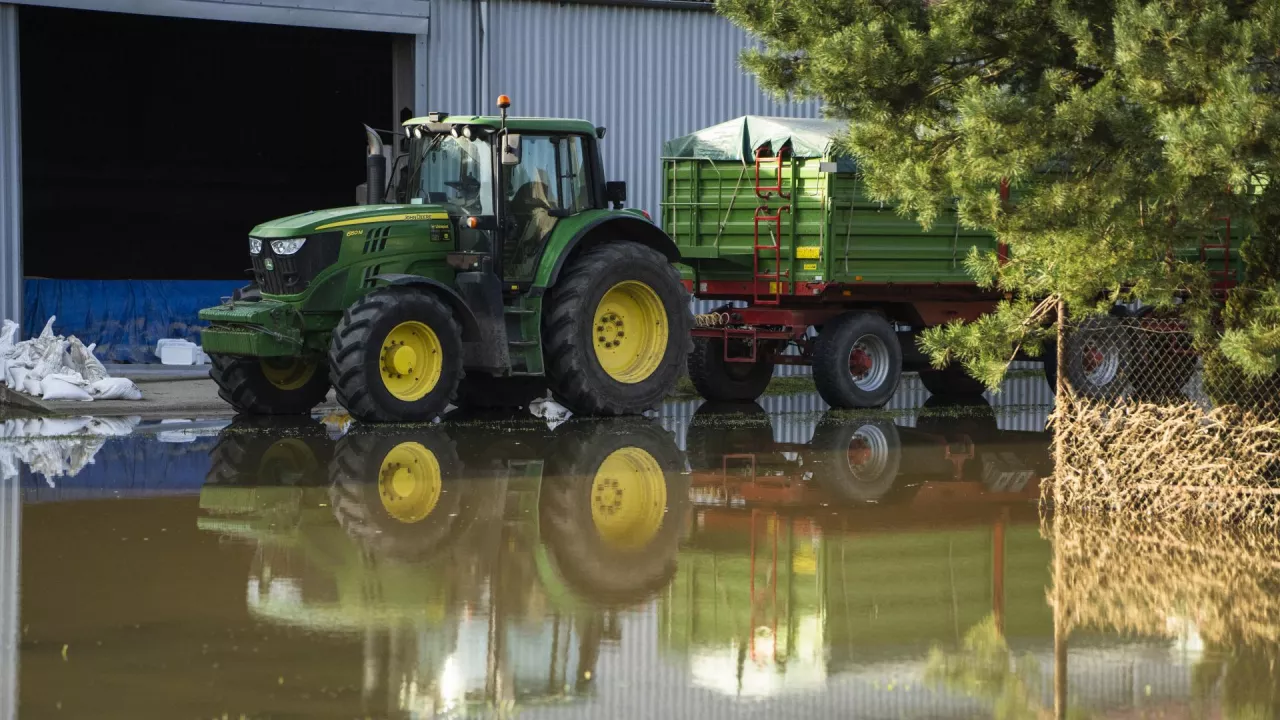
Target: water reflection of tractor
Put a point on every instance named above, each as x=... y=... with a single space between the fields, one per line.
x=791 y=573
x=481 y=565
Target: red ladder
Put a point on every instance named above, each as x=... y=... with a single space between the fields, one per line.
x=1223 y=278
x=773 y=294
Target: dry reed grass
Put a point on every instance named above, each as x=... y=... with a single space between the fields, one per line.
x=1141 y=577
x=1180 y=463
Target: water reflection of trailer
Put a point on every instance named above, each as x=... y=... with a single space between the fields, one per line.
x=792 y=566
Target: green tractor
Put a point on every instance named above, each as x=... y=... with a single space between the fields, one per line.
x=495 y=264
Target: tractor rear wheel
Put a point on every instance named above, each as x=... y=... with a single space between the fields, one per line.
x=857 y=361
x=616 y=332
x=269 y=386
x=396 y=356
x=717 y=379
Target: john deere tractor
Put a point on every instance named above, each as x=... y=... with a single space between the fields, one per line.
x=496 y=263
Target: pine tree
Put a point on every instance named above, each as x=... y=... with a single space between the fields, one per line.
x=1124 y=129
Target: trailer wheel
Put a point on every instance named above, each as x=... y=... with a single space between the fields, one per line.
x=613 y=508
x=952 y=382
x=1099 y=358
x=616 y=332
x=857 y=361
x=396 y=356
x=861 y=459
x=716 y=379
x=269 y=386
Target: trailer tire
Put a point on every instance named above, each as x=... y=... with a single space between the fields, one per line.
x=373 y=381
x=952 y=382
x=862 y=458
x=718 y=380
x=1099 y=358
x=269 y=386
x=593 y=367
x=878 y=353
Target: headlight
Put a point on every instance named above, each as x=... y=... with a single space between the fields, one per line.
x=255 y=246
x=287 y=247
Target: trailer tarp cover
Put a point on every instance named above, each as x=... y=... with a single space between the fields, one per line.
x=738 y=139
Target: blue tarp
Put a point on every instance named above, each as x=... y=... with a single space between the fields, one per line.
x=125 y=317
x=132 y=466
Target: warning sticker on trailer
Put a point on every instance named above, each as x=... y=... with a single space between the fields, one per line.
x=811 y=266
x=810 y=252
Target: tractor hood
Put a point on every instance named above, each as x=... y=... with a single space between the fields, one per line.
x=346 y=217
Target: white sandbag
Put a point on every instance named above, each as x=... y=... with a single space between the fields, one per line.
x=31 y=386
x=51 y=359
x=55 y=388
x=47 y=332
x=84 y=362
x=115 y=389
x=17 y=377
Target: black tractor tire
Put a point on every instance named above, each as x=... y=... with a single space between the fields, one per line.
x=617 y=570
x=574 y=370
x=242 y=381
x=857 y=461
x=952 y=382
x=356 y=355
x=718 y=380
x=831 y=361
x=270 y=451
x=1100 y=357
x=726 y=428
x=481 y=391
x=367 y=504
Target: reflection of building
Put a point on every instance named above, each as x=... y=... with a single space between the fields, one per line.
x=10 y=552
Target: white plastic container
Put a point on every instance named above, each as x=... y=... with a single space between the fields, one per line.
x=178 y=352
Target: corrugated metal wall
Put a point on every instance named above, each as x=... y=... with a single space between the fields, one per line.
x=10 y=619
x=10 y=169
x=647 y=74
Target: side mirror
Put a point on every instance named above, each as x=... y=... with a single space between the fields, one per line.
x=511 y=149
x=615 y=191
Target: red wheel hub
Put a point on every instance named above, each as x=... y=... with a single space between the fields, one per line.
x=859 y=452
x=859 y=362
x=1091 y=359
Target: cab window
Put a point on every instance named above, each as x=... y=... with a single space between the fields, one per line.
x=551 y=181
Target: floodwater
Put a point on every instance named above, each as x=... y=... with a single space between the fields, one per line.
x=778 y=561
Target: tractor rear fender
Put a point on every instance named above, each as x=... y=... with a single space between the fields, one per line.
x=574 y=234
x=466 y=318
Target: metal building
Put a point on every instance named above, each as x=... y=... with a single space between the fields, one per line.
x=646 y=70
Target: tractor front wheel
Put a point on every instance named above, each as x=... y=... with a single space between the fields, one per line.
x=269 y=386
x=616 y=332
x=396 y=356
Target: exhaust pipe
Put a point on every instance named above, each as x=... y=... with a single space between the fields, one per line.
x=375 y=169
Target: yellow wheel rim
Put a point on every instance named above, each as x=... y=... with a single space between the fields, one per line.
x=628 y=498
x=630 y=332
x=409 y=482
x=287 y=462
x=287 y=373
x=410 y=361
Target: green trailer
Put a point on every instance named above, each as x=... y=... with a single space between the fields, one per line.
x=771 y=218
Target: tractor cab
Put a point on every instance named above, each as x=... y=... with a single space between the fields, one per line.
x=505 y=184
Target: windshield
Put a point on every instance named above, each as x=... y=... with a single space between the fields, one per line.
x=454 y=172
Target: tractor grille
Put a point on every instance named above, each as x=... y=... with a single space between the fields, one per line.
x=291 y=274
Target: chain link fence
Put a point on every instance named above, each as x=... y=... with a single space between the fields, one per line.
x=1149 y=425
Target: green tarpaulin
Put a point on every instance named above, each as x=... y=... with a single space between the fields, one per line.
x=738 y=139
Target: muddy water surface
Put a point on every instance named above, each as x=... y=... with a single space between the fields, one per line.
x=711 y=562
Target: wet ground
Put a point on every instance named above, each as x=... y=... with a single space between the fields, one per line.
x=776 y=560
